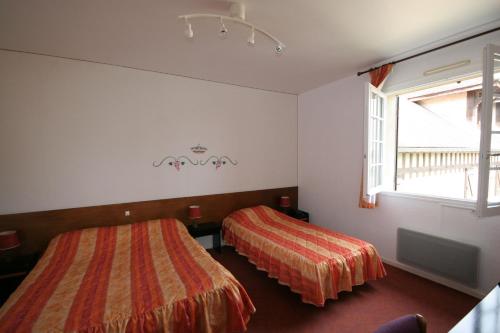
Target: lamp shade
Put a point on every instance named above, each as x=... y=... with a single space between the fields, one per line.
x=194 y=212
x=9 y=240
x=284 y=201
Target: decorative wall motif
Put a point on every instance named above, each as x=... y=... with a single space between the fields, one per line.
x=218 y=161
x=178 y=162
x=198 y=149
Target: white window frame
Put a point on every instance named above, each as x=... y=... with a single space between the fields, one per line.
x=483 y=208
x=373 y=186
x=491 y=53
x=467 y=204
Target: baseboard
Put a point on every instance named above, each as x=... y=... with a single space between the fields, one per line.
x=438 y=279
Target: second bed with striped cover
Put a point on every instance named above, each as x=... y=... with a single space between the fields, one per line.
x=316 y=262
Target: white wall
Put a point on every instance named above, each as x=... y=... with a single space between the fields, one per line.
x=330 y=163
x=409 y=74
x=76 y=134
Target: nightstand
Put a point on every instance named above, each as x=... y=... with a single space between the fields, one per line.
x=207 y=229
x=297 y=214
x=13 y=270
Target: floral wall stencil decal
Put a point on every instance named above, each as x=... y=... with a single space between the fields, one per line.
x=176 y=162
x=219 y=161
x=199 y=149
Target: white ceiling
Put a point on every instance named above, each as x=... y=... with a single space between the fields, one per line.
x=326 y=39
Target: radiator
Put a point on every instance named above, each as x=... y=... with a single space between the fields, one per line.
x=453 y=260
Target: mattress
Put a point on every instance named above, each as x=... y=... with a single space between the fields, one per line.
x=144 y=277
x=315 y=262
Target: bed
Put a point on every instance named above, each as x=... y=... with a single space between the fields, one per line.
x=313 y=261
x=144 y=277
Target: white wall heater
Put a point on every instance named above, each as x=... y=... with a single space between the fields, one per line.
x=451 y=259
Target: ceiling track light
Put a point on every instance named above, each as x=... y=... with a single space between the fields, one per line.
x=223 y=30
x=189 y=30
x=238 y=16
x=251 y=39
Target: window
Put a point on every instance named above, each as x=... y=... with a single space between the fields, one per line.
x=488 y=202
x=374 y=145
x=440 y=141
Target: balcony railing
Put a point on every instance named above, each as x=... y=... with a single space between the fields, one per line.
x=416 y=165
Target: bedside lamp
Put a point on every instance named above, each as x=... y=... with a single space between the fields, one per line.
x=194 y=214
x=9 y=240
x=285 y=202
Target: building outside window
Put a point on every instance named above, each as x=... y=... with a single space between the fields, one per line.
x=438 y=141
x=441 y=141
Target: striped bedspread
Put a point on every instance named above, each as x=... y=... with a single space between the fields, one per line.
x=144 y=277
x=315 y=262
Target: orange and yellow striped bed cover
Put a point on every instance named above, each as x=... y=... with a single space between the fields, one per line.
x=144 y=277
x=313 y=261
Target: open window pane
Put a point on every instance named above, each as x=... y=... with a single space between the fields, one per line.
x=494 y=187
x=489 y=199
x=438 y=140
x=374 y=153
x=493 y=197
x=495 y=116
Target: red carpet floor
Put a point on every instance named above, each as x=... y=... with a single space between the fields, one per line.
x=363 y=310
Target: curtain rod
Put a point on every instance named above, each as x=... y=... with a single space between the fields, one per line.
x=432 y=50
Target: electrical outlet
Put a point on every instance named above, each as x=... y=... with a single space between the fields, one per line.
x=127 y=213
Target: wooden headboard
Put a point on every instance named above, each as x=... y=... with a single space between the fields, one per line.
x=36 y=229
